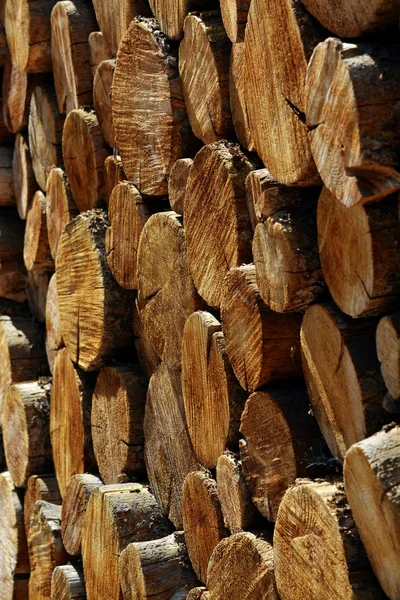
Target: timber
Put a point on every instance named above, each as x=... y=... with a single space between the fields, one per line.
x=24 y=178
x=39 y=487
x=388 y=350
x=67 y=583
x=60 y=207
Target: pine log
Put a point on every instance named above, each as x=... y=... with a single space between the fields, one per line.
x=216 y=186
x=114 y=17
x=7 y=195
x=116 y=516
x=167 y=462
x=60 y=207
x=42 y=487
x=12 y=268
x=117 y=423
x=37 y=255
x=279 y=40
x=237 y=95
x=102 y=83
x=45 y=133
x=67 y=583
x=343 y=377
x=351 y=96
x=360 y=254
x=37 y=285
x=165 y=286
x=84 y=151
x=212 y=396
x=198 y=593
x=156 y=569
x=204 y=70
x=245 y=553
x=75 y=501
x=150 y=123
x=25 y=184
x=177 y=184
x=234 y=15
x=71 y=24
x=54 y=339
x=171 y=15
x=70 y=412
x=98 y=50
x=388 y=350
x=262 y=345
x=113 y=175
x=88 y=294
x=317 y=549
x=26 y=432
x=371 y=472
x=146 y=354
x=203 y=522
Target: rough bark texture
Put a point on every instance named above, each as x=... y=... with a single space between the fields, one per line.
x=23 y=176
x=388 y=349
x=43 y=487
x=60 y=207
x=67 y=583
x=37 y=255
x=177 y=184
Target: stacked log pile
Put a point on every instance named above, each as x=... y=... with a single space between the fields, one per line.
x=199 y=300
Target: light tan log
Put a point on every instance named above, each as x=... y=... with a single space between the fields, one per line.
x=204 y=70
x=46 y=550
x=245 y=553
x=71 y=24
x=67 y=583
x=75 y=501
x=70 y=412
x=165 y=285
x=177 y=184
x=262 y=345
x=12 y=272
x=167 y=462
x=212 y=396
x=317 y=549
x=216 y=186
x=89 y=295
x=203 y=523
x=171 y=15
x=367 y=81
x=114 y=17
x=45 y=133
x=98 y=50
x=388 y=349
x=146 y=354
x=37 y=255
x=149 y=142
x=54 y=339
x=237 y=95
x=60 y=207
x=102 y=83
x=7 y=194
x=156 y=569
x=42 y=487
x=25 y=184
x=84 y=152
x=198 y=593
x=371 y=472
x=234 y=15
x=26 y=432
x=360 y=254
x=37 y=285
x=113 y=175
x=116 y=516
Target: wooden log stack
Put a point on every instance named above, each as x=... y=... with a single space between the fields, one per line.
x=199 y=300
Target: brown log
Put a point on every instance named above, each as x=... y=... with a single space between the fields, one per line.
x=216 y=186
x=89 y=295
x=262 y=345
x=39 y=488
x=167 y=462
x=67 y=583
x=165 y=285
x=7 y=195
x=341 y=569
x=388 y=350
x=21 y=587
x=360 y=254
x=70 y=412
x=343 y=377
x=202 y=520
x=205 y=82
x=12 y=269
x=234 y=15
x=177 y=184
x=98 y=50
x=149 y=142
x=84 y=151
x=26 y=431
x=354 y=140
x=114 y=17
x=71 y=24
x=171 y=15
x=371 y=472
x=212 y=396
x=37 y=285
x=45 y=133
x=198 y=593
x=102 y=83
x=25 y=184
x=113 y=175
x=156 y=569
x=37 y=255
x=146 y=354
x=237 y=95
x=242 y=552
x=75 y=501
x=60 y=207
x=116 y=516
x=54 y=339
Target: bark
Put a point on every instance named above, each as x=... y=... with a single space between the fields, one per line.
x=12 y=272
x=7 y=195
x=113 y=175
x=60 y=207
x=98 y=51
x=54 y=339
x=114 y=17
x=237 y=95
x=37 y=285
x=42 y=487
x=388 y=350
x=234 y=15
x=177 y=184
x=102 y=83
x=37 y=255
x=25 y=184
x=67 y=583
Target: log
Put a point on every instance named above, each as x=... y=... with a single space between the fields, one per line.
x=75 y=501
x=89 y=295
x=177 y=184
x=84 y=151
x=165 y=285
x=116 y=516
x=360 y=254
x=342 y=569
x=37 y=285
x=198 y=593
x=26 y=432
x=98 y=50
x=37 y=255
x=12 y=269
x=60 y=207
x=7 y=195
x=262 y=345
x=150 y=140
x=156 y=569
x=117 y=423
x=42 y=487
x=146 y=354
x=275 y=74
x=212 y=396
x=113 y=175
x=242 y=551
x=114 y=17
x=70 y=412
x=388 y=350
x=353 y=139
x=45 y=132
x=234 y=15
x=102 y=83
x=167 y=462
x=67 y=583
x=371 y=471
x=237 y=95
x=25 y=184
x=343 y=377
x=54 y=339
x=205 y=82
x=203 y=523
x=21 y=587
x=171 y=15
x=71 y=24
x=217 y=181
